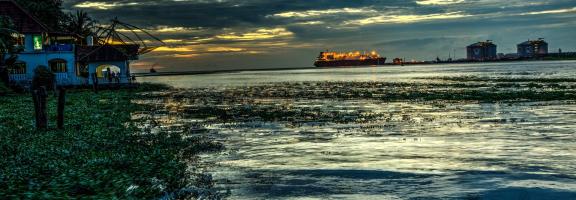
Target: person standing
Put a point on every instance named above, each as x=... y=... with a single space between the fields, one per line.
x=109 y=74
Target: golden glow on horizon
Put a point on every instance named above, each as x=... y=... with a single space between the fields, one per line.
x=102 y=5
x=185 y=55
x=174 y=49
x=225 y=49
x=172 y=40
x=191 y=51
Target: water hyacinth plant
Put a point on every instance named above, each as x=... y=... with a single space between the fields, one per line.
x=103 y=153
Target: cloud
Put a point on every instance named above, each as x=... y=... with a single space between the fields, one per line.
x=103 y=5
x=185 y=55
x=163 y=29
x=438 y=2
x=557 y=11
x=260 y=34
x=310 y=23
x=320 y=13
x=401 y=19
x=225 y=49
x=175 y=49
x=228 y=32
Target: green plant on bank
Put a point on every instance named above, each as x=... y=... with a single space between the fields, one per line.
x=3 y=89
x=101 y=154
x=8 y=48
x=43 y=77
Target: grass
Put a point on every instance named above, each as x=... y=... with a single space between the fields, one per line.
x=101 y=154
x=3 y=89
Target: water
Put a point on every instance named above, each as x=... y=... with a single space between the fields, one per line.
x=283 y=145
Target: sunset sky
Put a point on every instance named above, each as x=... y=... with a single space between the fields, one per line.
x=240 y=34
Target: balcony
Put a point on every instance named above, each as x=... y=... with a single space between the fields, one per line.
x=18 y=77
x=59 y=47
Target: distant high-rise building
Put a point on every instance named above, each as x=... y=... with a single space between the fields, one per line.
x=533 y=48
x=482 y=51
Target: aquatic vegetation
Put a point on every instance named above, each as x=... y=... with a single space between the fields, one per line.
x=503 y=79
x=362 y=133
x=296 y=104
x=138 y=144
x=102 y=154
x=439 y=132
x=391 y=91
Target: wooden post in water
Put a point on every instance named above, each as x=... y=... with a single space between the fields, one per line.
x=61 y=103
x=39 y=97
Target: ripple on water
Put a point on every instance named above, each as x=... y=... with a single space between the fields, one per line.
x=365 y=139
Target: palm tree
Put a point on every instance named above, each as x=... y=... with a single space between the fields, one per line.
x=8 y=49
x=80 y=24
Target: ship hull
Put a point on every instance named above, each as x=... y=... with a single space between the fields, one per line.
x=342 y=63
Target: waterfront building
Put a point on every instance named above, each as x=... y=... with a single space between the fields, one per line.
x=482 y=51
x=533 y=48
x=71 y=62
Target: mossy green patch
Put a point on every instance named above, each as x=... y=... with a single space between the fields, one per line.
x=101 y=154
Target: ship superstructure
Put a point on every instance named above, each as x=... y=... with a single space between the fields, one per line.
x=334 y=59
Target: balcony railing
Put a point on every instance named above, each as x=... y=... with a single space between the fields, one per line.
x=18 y=77
x=59 y=47
x=61 y=76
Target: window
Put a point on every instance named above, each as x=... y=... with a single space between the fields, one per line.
x=38 y=42
x=82 y=69
x=19 y=39
x=18 y=68
x=58 y=66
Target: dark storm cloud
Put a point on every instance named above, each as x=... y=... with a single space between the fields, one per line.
x=254 y=33
x=209 y=13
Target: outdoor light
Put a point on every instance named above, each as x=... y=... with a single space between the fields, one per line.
x=37 y=40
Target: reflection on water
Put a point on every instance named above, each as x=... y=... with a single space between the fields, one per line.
x=284 y=146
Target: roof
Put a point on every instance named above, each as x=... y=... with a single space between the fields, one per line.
x=22 y=19
x=106 y=53
x=482 y=44
x=532 y=42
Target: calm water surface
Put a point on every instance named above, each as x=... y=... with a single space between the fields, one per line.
x=411 y=150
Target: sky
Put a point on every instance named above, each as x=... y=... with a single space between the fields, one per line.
x=252 y=34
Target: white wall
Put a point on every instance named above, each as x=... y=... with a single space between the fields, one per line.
x=123 y=65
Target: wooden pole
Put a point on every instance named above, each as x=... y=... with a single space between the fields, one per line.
x=61 y=103
x=95 y=82
x=36 y=107
x=41 y=116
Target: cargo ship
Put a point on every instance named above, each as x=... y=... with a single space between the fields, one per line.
x=337 y=59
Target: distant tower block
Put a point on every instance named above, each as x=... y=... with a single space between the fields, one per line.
x=533 y=48
x=482 y=51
